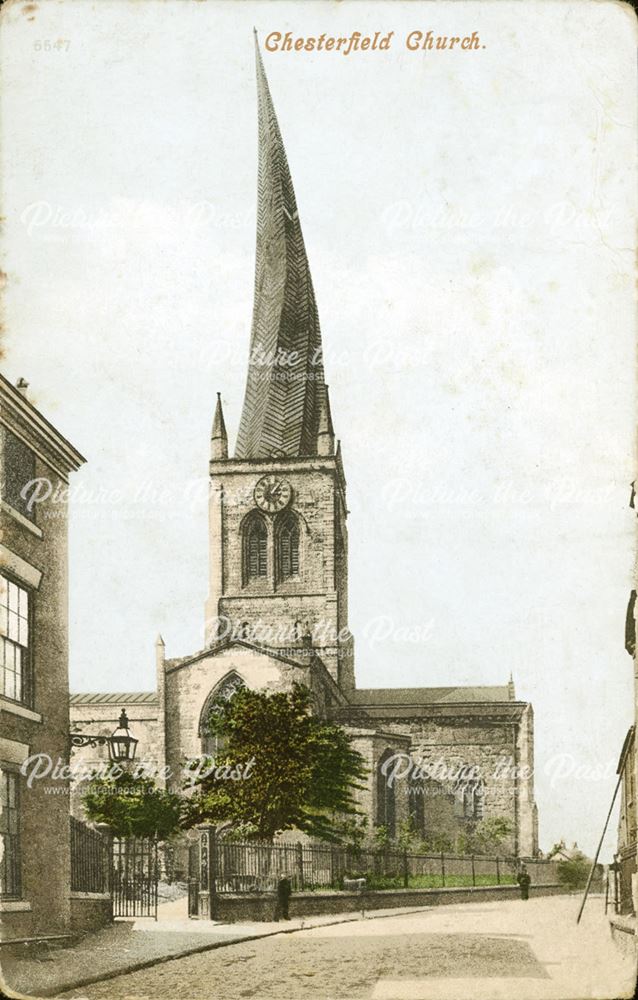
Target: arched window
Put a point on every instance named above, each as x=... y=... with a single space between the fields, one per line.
x=469 y=793
x=255 y=548
x=386 y=806
x=416 y=806
x=287 y=546
x=224 y=691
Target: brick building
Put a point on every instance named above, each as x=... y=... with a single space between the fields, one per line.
x=277 y=610
x=35 y=888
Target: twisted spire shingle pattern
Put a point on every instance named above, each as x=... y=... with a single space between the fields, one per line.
x=285 y=383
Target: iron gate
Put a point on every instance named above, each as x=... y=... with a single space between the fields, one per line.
x=134 y=877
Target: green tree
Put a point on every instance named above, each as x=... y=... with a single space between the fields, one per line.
x=281 y=768
x=381 y=839
x=407 y=838
x=352 y=832
x=574 y=872
x=133 y=806
x=490 y=835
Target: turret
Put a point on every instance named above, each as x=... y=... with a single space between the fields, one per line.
x=325 y=431
x=219 y=437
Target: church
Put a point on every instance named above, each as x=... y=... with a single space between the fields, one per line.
x=277 y=608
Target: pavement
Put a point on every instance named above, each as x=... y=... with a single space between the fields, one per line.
x=130 y=945
x=506 y=950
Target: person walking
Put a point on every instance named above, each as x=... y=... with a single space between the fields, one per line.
x=524 y=880
x=284 y=892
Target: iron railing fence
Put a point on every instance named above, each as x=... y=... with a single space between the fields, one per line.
x=240 y=867
x=90 y=858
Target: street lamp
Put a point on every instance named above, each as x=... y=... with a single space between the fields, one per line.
x=121 y=744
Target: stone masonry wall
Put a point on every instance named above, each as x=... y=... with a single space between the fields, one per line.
x=318 y=596
x=497 y=749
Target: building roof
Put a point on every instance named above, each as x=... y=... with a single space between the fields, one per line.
x=25 y=418
x=285 y=388
x=430 y=695
x=295 y=657
x=113 y=697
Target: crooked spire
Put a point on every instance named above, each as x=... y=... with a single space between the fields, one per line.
x=285 y=384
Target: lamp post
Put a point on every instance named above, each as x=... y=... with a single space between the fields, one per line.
x=121 y=744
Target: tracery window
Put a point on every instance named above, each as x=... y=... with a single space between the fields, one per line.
x=212 y=743
x=469 y=793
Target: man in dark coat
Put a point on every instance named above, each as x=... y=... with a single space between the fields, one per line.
x=524 y=880
x=284 y=892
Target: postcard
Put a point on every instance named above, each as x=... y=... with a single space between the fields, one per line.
x=318 y=518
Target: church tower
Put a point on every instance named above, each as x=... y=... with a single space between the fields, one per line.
x=278 y=539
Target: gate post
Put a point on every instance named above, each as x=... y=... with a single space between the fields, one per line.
x=106 y=859
x=194 y=874
x=299 y=852
x=208 y=908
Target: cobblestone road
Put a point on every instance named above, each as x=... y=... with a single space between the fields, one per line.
x=504 y=951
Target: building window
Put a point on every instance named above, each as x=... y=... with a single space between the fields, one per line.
x=416 y=806
x=9 y=835
x=255 y=548
x=18 y=462
x=386 y=806
x=212 y=744
x=469 y=794
x=288 y=546
x=14 y=641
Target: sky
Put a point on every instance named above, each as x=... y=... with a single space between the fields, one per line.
x=469 y=221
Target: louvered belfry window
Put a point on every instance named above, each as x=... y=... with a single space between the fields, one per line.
x=288 y=547
x=256 y=551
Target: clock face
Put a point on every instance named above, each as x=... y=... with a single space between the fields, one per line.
x=272 y=493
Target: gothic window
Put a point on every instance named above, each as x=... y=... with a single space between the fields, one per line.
x=288 y=546
x=255 y=548
x=386 y=806
x=469 y=793
x=416 y=806
x=224 y=691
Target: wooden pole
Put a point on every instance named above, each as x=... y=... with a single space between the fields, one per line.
x=600 y=844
